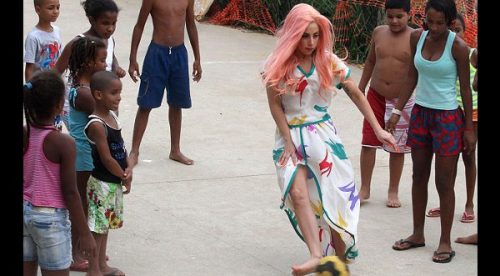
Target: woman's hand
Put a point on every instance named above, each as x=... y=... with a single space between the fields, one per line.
x=386 y=138
x=288 y=152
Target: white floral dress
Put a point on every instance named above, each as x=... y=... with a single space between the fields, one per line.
x=330 y=178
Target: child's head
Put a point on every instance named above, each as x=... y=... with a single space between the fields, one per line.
x=87 y=56
x=43 y=97
x=106 y=88
x=398 y=4
x=437 y=11
x=459 y=26
x=102 y=15
x=47 y=10
x=397 y=14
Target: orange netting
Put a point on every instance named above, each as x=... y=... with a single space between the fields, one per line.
x=251 y=12
x=343 y=23
x=351 y=24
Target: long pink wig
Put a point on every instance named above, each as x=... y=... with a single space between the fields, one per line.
x=280 y=65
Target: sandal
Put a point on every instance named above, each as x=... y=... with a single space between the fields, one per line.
x=467 y=218
x=434 y=212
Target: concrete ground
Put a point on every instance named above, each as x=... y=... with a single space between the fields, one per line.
x=221 y=216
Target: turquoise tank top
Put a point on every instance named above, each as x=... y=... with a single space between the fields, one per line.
x=436 y=79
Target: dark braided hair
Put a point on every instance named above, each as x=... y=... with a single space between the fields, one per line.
x=42 y=94
x=94 y=8
x=83 y=52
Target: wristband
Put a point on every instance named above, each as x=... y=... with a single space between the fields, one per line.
x=396 y=111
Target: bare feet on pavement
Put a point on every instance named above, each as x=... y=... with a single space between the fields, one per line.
x=393 y=201
x=472 y=239
x=363 y=195
x=305 y=268
x=179 y=157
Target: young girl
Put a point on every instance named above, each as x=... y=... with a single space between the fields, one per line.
x=315 y=176
x=111 y=171
x=437 y=124
x=102 y=16
x=87 y=57
x=50 y=195
x=469 y=159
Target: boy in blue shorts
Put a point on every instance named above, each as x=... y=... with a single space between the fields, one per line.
x=165 y=66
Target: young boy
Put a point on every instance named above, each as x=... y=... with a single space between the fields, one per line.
x=111 y=169
x=387 y=66
x=43 y=43
x=165 y=66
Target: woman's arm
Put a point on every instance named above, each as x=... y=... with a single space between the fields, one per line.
x=358 y=98
x=279 y=117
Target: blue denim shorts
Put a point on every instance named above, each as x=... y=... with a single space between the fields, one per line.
x=165 y=68
x=47 y=236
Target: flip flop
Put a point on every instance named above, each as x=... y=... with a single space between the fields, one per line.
x=446 y=260
x=467 y=218
x=81 y=266
x=397 y=245
x=434 y=213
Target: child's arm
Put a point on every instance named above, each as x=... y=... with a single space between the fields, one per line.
x=410 y=84
x=30 y=50
x=133 y=68
x=84 y=100
x=63 y=60
x=29 y=70
x=369 y=65
x=193 y=39
x=97 y=133
x=115 y=67
x=65 y=145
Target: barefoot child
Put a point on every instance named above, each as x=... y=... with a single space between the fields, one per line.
x=50 y=195
x=165 y=66
x=387 y=67
x=315 y=176
x=104 y=189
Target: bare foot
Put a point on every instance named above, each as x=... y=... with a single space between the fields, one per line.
x=363 y=194
x=179 y=157
x=472 y=239
x=393 y=201
x=133 y=158
x=305 y=268
x=112 y=271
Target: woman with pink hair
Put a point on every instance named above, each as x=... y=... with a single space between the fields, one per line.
x=315 y=176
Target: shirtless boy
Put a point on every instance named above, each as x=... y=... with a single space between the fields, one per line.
x=165 y=67
x=387 y=66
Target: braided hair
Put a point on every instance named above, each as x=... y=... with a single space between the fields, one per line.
x=42 y=94
x=83 y=53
